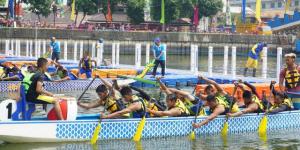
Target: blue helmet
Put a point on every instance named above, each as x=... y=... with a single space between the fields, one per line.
x=157 y=40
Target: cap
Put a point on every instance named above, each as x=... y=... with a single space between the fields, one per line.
x=293 y=55
x=156 y=40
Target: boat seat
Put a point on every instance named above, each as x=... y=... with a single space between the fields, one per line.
x=23 y=107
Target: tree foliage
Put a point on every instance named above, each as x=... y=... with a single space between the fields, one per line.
x=175 y=9
x=40 y=8
x=135 y=11
x=2 y=2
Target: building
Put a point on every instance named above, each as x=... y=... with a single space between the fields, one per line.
x=270 y=8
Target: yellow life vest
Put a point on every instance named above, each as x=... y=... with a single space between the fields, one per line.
x=292 y=78
x=83 y=63
x=286 y=101
x=179 y=104
x=258 y=102
x=222 y=100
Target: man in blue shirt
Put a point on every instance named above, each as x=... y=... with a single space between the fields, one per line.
x=55 y=48
x=159 y=53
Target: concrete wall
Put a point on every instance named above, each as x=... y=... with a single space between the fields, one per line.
x=136 y=36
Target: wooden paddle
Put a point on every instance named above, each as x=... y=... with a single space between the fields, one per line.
x=86 y=88
x=262 y=128
x=192 y=134
x=224 y=130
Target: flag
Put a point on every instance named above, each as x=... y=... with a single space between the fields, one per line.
x=108 y=15
x=258 y=10
x=287 y=5
x=73 y=11
x=11 y=8
x=196 y=16
x=244 y=11
x=162 y=19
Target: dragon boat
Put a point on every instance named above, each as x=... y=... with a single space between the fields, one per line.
x=81 y=127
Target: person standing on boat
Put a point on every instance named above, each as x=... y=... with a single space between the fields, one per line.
x=253 y=56
x=221 y=95
x=251 y=99
x=55 y=49
x=136 y=106
x=36 y=92
x=86 y=65
x=159 y=53
x=290 y=75
x=281 y=101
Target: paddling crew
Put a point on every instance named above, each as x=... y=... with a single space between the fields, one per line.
x=290 y=75
x=281 y=101
x=14 y=74
x=36 y=92
x=159 y=53
x=221 y=95
x=136 y=106
x=251 y=100
x=176 y=108
x=216 y=108
x=63 y=74
x=85 y=65
x=253 y=56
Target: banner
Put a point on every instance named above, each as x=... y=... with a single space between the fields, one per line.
x=72 y=17
x=258 y=10
x=287 y=5
x=108 y=15
x=162 y=19
x=196 y=16
x=244 y=11
x=11 y=8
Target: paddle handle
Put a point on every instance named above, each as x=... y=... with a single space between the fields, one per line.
x=86 y=89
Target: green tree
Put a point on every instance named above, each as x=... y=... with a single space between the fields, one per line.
x=171 y=10
x=208 y=8
x=40 y=8
x=135 y=11
x=2 y=2
x=88 y=7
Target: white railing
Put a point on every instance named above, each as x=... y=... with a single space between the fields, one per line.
x=36 y=48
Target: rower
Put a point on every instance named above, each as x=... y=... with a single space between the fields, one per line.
x=217 y=107
x=85 y=65
x=63 y=74
x=186 y=98
x=251 y=100
x=14 y=74
x=219 y=94
x=176 y=107
x=37 y=94
x=281 y=101
x=291 y=76
x=136 y=105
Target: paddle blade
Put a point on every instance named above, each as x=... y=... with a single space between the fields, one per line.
x=224 y=131
x=138 y=133
x=192 y=135
x=262 y=129
x=95 y=134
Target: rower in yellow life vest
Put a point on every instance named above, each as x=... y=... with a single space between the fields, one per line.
x=86 y=66
x=281 y=102
x=219 y=93
x=251 y=99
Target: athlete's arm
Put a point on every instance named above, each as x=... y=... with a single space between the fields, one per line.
x=90 y=105
x=173 y=112
x=281 y=108
x=129 y=109
x=39 y=89
x=184 y=93
x=219 y=110
x=163 y=86
x=106 y=83
x=250 y=109
x=218 y=87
